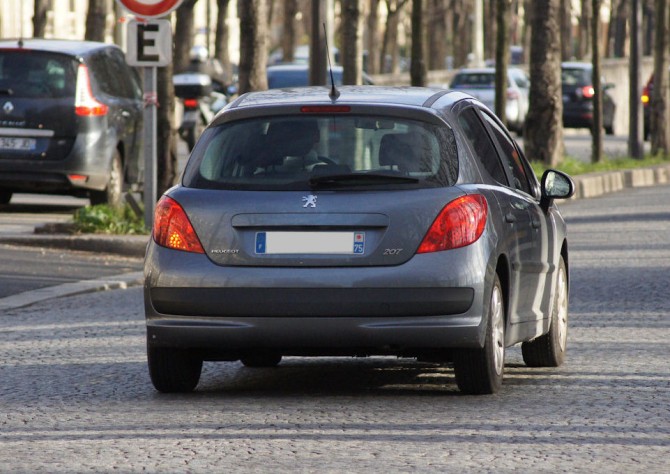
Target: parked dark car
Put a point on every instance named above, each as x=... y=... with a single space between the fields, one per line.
x=388 y=221
x=297 y=75
x=578 y=92
x=70 y=120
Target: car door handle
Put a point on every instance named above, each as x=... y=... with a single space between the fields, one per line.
x=510 y=218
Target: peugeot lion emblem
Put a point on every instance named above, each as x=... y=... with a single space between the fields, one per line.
x=310 y=201
x=8 y=107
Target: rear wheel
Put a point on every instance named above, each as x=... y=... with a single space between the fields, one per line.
x=114 y=190
x=262 y=360
x=173 y=370
x=549 y=350
x=480 y=371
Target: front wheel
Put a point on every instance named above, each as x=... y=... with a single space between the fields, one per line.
x=549 y=350
x=480 y=371
x=173 y=370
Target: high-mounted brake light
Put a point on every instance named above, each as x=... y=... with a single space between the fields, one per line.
x=173 y=229
x=85 y=103
x=325 y=109
x=460 y=223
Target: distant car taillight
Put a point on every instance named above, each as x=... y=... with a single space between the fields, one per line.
x=173 y=229
x=588 y=92
x=460 y=223
x=85 y=103
x=191 y=103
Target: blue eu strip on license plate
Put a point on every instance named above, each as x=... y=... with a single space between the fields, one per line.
x=310 y=243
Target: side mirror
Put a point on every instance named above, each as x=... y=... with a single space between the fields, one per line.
x=555 y=185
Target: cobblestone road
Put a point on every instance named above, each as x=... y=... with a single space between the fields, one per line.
x=75 y=394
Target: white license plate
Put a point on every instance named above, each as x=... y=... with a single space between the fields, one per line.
x=11 y=143
x=323 y=243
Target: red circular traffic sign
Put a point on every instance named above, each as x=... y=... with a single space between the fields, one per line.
x=150 y=8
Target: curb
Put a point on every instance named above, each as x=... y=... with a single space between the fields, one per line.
x=122 y=245
x=598 y=184
x=28 y=298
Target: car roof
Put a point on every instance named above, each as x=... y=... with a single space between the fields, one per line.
x=318 y=95
x=295 y=67
x=576 y=65
x=70 y=47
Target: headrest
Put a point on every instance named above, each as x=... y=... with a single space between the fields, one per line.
x=294 y=137
x=402 y=150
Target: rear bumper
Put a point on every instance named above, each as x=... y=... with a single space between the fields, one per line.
x=413 y=308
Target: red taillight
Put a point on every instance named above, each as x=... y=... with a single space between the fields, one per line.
x=191 y=103
x=85 y=103
x=460 y=223
x=588 y=92
x=173 y=229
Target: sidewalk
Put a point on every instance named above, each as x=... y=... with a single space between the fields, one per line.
x=46 y=235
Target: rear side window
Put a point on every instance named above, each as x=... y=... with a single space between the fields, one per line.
x=484 y=150
x=288 y=152
x=36 y=75
x=113 y=75
x=474 y=80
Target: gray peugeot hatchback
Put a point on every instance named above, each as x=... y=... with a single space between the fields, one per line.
x=70 y=120
x=373 y=221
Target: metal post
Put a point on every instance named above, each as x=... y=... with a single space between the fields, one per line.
x=635 y=140
x=150 y=118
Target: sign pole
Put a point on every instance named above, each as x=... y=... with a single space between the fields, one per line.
x=150 y=146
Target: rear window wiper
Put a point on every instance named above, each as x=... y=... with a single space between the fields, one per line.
x=360 y=179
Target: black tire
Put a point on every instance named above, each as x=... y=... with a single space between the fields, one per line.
x=113 y=193
x=549 y=350
x=609 y=129
x=5 y=196
x=262 y=360
x=480 y=371
x=173 y=370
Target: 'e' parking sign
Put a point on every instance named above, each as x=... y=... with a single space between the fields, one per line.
x=149 y=43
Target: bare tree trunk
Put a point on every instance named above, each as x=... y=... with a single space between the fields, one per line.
x=502 y=57
x=253 y=45
x=648 y=28
x=183 y=37
x=389 y=42
x=660 y=136
x=491 y=28
x=620 y=29
x=222 y=38
x=372 y=40
x=566 y=29
x=584 y=46
x=166 y=136
x=288 y=32
x=597 y=130
x=352 y=57
x=40 y=18
x=437 y=34
x=544 y=128
x=462 y=44
x=418 y=66
x=96 y=20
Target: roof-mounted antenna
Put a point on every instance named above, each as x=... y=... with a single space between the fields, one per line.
x=334 y=93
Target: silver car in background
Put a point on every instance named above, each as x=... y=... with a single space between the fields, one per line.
x=374 y=221
x=480 y=83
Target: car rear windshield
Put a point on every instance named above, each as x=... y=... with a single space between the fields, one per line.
x=575 y=77
x=36 y=75
x=285 y=153
x=474 y=80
